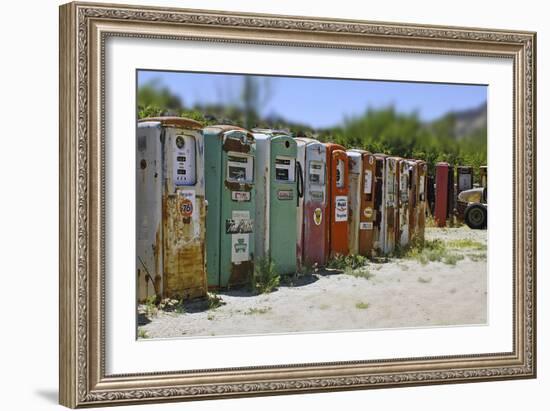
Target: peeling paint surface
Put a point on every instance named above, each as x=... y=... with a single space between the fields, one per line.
x=183 y=249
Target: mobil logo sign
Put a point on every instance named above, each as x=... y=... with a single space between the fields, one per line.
x=341 y=208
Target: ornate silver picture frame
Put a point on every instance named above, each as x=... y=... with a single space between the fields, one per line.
x=84 y=30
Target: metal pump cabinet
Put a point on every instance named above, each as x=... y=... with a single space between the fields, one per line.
x=444 y=193
x=276 y=199
x=230 y=192
x=379 y=232
x=390 y=222
x=422 y=201
x=170 y=208
x=337 y=175
x=311 y=217
x=361 y=204
x=406 y=170
x=413 y=200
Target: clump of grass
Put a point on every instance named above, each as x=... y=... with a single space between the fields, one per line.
x=172 y=305
x=467 y=243
x=142 y=333
x=210 y=317
x=452 y=259
x=324 y=306
x=344 y=262
x=362 y=305
x=265 y=278
x=214 y=301
x=151 y=308
x=430 y=222
x=307 y=269
x=477 y=257
x=261 y=310
x=424 y=280
x=361 y=273
x=431 y=251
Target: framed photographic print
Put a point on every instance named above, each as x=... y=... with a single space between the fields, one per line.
x=259 y=204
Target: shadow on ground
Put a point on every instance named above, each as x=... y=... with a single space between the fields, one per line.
x=142 y=319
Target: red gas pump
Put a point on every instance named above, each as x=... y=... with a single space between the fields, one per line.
x=441 y=193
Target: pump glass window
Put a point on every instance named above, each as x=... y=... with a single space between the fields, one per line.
x=316 y=173
x=239 y=168
x=284 y=169
x=340 y=174
x=183 y=153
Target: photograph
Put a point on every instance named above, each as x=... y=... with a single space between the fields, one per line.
x=284 y=204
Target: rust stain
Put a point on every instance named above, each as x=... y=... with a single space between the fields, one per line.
x=184 y=265
x=236 y=186
x=172 y=121
x=233 y=144
x=240 y=273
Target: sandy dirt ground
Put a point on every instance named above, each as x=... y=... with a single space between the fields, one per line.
x=398 y=293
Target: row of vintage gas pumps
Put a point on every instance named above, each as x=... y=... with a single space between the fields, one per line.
x=213 y=201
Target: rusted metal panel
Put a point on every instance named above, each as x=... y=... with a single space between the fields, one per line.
x=230 y=191
x=442 y=171
x=337 y=174
x=379 y=233
x=391 y=204
x=149 y=210
x=362 y=195
x=422 y=207
x=355 y=170
x=183 y=248
x=177 y=122
x=240 y=273
x=405 y=203
x=413 y=199
x=367 y=208
x=170 y=215
x=312 y=217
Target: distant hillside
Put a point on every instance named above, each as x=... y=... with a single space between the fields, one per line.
x=470 y=121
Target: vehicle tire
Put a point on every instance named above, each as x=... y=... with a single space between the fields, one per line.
x=475 y=216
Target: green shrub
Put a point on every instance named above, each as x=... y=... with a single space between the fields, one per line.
x=151 y=309
x=142 y=333
x=467 y=243
x=347 y=262
x=265 y=278
x=214 y=301
x=431 y=251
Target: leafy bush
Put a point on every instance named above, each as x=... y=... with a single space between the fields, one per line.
x=467 y=243
x=347 y=262
x=214 y=301
x=431 y=251
x=265 y=278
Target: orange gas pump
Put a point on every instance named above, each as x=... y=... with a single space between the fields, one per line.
x=337 y=168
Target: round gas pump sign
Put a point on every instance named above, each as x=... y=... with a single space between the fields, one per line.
x=187 y=208
x=187 y=203
x=317 y=216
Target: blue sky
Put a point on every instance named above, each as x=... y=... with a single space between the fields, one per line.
x=322 y=102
